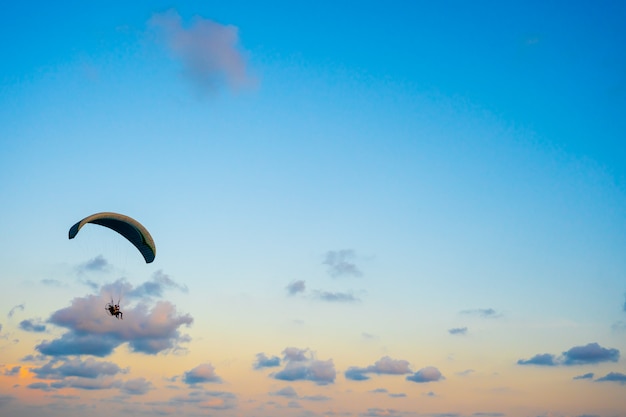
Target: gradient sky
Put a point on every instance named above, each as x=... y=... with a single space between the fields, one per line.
x=400 y=209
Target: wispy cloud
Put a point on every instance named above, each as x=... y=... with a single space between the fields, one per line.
x=458 y=330
x=591 y=353
x=89 y=368
x=335 y=297
x=588 y=375
x=288 y=392
x=209 y=51
x=341 y=263
x=19 y=307
x=482 y=312
x=15 y=370
x=384 y=365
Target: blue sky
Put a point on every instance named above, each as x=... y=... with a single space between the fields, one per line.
x=400 y=208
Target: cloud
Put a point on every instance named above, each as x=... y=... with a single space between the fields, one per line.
x=208 y=51
x=148 y=329
x=336 y=297
x=5 y=399
x=380 y=412
x=591 y=353
x=624 y=305
x=384 y=365
x=263 y=361
x=51 y=282
x=14 y=309
x=301 y=365
x=89 y=368
x=287 y=392
x=202 y=399
x=340 y=263
x=482 y=312
x=296 y=287
x=541 y=359
x=613 y=377
x=427 y=374
x=201 y=374
x=137 y=386
x=588 y=375
x=97 y=264
x=34 y=325
x=12 y=371
x=458 y=330
x=619 y=326
x=100 y=383
x=154 y=288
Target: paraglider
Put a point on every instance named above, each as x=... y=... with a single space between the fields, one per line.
x=114 y=310
x=132 y=230
x=126 y=226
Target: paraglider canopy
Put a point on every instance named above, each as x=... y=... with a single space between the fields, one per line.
x=126 y=226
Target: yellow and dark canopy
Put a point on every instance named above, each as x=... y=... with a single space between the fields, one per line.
x=126 y=226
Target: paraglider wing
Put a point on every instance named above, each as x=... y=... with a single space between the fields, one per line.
x=126 y=226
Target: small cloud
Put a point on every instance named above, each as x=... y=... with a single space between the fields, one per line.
x=263 y=361
x=301 y=365
x=458 y=330
x=619 y=326
x=137 y=386
x=34 y=325
x=201 y=374
x=154 y=288
x=427 y=374
x=542 y=359
x=97 y=264
x=12 y=371
x=384 y=366
x=336 y=297
x=466 y=372
x=482 y=312
x=209 y=51
x=429 y=394
x=287 y=392
x=19 y=307
x=89 y=368
x=296 y=287
x=624 y=305
x=590 y=353
x=51 y=282
x=618 y=377
x=398 y=395
x=380 y=391
x=340 y=263
x=5 y=399
x=588 y=375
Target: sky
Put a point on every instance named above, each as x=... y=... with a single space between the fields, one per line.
x=399 y=208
